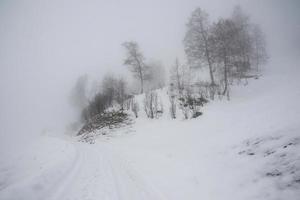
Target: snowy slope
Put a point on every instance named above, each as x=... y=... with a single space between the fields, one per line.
x=247 y=148
x=203 y=158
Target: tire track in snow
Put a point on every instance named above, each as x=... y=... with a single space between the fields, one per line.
x=126 y=175
x=92 y=172
x=104 y=175
x=65 y=180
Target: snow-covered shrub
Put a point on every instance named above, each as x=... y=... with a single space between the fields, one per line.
x=184 y=107
x=205 y=89
x=109 y=120
x=191 y=104
x=112 y=95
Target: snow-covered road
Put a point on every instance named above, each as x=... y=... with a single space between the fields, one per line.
x=88 y=172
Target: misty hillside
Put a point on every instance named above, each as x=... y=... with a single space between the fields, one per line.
x=244 y=148
x=250 y=131
x=149 y=100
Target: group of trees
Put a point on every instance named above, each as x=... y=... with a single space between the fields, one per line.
x=229 y=48
x=113 y=92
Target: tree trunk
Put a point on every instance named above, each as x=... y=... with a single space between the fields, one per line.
x=178 y=77
x=225 y=76
x=207 y=54
x=210 y=68
x=211 y=73
x=140 y=70
x=142 y=85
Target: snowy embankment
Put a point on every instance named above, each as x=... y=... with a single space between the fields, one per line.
x=246 y=148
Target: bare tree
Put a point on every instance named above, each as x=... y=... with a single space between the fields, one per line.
x=229 y=47
x=259 y=55
x=121 y=95
x=243 y=45
x=135 y=60
x=96 y=106
x=114 y=89
x=224 y=36
x=198 y=43
x=109 y=83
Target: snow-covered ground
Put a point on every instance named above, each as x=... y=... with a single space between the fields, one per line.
x=246 y=148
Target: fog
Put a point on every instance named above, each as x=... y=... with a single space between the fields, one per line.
x=47 y=45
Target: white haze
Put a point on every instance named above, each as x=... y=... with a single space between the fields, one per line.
x=46 y=45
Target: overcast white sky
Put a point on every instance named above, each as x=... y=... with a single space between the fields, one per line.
x=46 y=45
